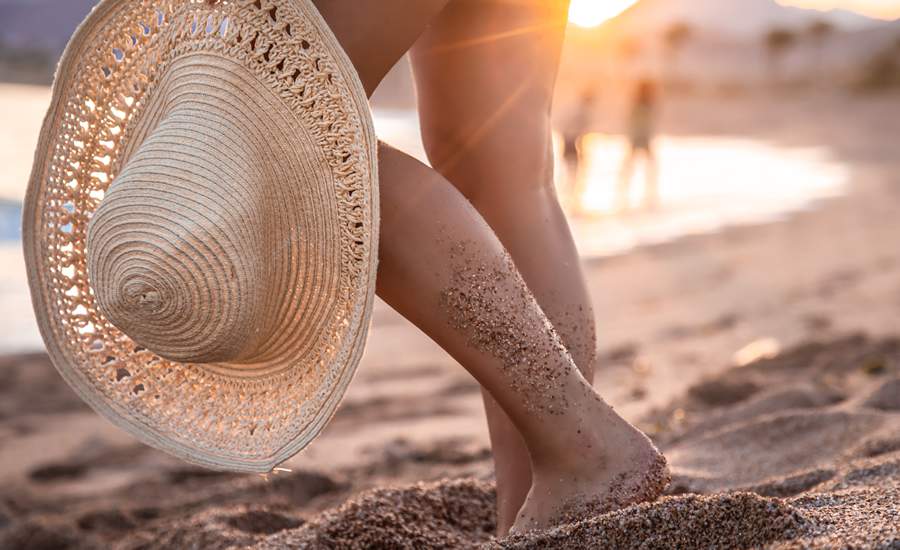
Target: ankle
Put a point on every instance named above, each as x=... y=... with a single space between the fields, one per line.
x=593 y=443
x=569 y=452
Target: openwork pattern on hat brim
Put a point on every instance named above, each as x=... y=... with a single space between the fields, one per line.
x=226 y=418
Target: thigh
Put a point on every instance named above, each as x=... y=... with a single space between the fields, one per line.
x=377 y=33
x=485 y=73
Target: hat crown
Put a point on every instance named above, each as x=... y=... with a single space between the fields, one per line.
x=175 y=250
x=200 y=165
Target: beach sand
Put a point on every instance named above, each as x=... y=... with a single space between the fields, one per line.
x=794 y=451
x=798 y=451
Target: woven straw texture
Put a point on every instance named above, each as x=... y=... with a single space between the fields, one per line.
x=201 y=224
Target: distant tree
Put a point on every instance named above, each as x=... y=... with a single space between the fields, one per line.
x=778 y=42
x=819 y=32
x=674 y=40
x=882 y=72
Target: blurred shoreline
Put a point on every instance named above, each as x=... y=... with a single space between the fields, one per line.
x=672 y=313
x=819 y=144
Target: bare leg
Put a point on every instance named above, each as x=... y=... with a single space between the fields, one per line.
x=580 y=180
x=651 y=195
x=623 y=189
x=485 y=73
x=444 y=269
x=377 y=33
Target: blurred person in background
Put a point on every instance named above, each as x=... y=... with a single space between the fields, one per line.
x=641 y=132
x=576 y=127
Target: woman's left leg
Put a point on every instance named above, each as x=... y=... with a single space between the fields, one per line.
x=443 y=268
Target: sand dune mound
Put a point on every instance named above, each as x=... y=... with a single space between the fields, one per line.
x=859 y=509
x=450 y=514
x=780 y=445
x=800 y=451
x=812 y=435
x=817 y=424
x=738 y=520
x=214 y=529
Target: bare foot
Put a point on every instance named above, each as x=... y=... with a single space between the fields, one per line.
x=625 y=468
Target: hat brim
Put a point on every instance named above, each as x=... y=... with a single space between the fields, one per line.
x=204 y=414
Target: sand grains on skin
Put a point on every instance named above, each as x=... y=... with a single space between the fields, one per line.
x=644 y=483
x=489 y=303
x=485 y=300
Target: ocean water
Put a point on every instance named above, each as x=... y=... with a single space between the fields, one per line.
x=705 y=184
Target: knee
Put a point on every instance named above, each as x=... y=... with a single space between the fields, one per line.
x=503 y=155
x=444 y=142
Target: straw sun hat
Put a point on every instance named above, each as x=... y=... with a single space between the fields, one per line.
x=201 y=224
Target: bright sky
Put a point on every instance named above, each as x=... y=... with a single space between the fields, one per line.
x=590 y=13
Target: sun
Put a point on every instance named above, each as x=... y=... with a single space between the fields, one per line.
x=590 y=13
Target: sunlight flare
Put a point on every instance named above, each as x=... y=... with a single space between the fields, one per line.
x=590 y=13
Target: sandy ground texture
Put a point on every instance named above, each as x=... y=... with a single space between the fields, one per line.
x=800 y=450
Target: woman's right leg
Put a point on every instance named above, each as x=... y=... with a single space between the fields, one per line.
x=443 y=268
